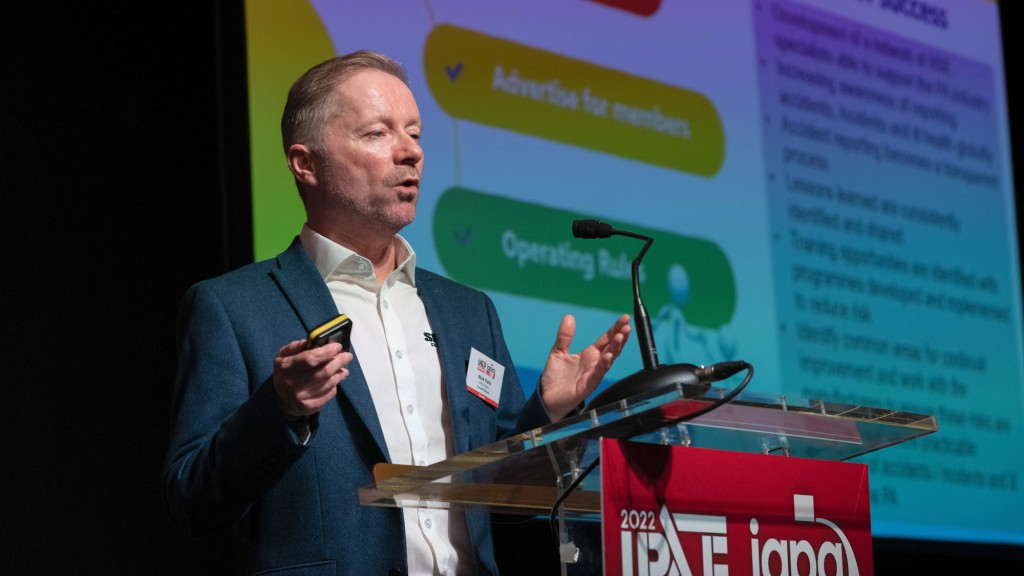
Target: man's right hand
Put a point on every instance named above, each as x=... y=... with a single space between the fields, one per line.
x=307 y=379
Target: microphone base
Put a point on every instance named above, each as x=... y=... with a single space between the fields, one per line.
x=646 y=380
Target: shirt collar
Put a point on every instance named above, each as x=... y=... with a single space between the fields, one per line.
x=333 y=259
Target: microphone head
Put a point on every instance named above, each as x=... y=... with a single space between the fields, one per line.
x=591 y=229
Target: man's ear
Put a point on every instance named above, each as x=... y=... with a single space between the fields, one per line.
x=302 y=164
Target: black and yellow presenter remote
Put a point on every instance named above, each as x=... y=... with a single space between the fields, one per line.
x=337 y=329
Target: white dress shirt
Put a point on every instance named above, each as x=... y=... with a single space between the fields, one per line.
x=394 y=342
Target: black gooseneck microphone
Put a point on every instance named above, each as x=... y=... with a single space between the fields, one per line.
x=653 y=376
x=591 y=229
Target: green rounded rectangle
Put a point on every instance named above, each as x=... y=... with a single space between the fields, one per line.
x=496 y=243
x=501 y=83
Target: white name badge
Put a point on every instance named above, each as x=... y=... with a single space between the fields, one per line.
x=484 y=377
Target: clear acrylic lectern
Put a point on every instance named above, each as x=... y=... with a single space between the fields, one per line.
x=525 y=474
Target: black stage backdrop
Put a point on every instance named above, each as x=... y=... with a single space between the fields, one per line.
x=125 y=180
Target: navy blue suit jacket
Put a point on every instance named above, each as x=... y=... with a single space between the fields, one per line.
x=235 y=462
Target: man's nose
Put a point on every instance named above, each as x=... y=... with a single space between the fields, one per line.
x=408 y=150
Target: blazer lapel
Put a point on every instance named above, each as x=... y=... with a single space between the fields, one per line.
x=453 y=361
x=302 y=286
x=300 y=281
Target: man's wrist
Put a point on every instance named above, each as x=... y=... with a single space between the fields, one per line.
x=575 y=411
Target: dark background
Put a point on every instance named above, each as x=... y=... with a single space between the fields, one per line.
x=125 y=180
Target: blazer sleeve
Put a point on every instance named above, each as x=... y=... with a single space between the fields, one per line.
x=230 y=440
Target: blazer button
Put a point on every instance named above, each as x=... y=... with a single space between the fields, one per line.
x=395 y=572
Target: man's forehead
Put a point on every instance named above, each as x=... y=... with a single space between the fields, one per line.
x=371 y=85
x=369 y=79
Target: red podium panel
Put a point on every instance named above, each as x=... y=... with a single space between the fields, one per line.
x=694 y=511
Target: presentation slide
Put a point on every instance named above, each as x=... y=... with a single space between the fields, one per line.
x=827 y=182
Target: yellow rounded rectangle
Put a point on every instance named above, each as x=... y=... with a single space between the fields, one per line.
x=501 y=83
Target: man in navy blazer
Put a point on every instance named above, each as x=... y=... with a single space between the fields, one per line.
x=272 y=438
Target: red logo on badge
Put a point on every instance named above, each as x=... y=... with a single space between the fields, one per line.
x=486 y=368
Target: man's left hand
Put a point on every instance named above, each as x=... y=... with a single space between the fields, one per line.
x=568 y=379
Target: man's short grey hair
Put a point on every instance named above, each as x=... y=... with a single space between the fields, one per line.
x=311 y=98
